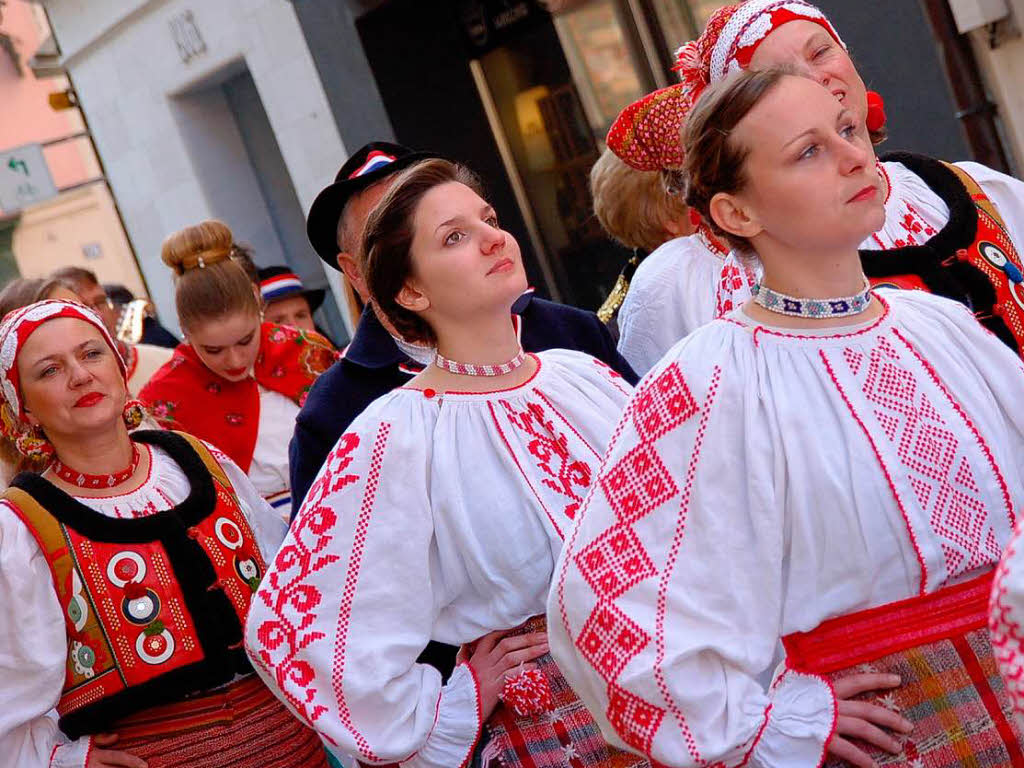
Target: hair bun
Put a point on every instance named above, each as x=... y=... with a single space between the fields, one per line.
x=197 y=247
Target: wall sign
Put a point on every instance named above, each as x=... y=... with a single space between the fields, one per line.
x=187 y=37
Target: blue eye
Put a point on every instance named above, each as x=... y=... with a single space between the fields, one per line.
x=810 y=152
x=850 y=131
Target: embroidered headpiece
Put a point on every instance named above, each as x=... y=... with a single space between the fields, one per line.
x=22 y=323
x=646 y=134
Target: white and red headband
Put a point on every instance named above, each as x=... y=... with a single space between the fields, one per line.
x=18 y=325
x=646 y=133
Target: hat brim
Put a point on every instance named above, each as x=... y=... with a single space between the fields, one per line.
x=324 y=214
x=315 y=297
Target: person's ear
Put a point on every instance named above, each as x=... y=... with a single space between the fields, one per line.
x=412 y=299
x=734 y=216
x=349 y=266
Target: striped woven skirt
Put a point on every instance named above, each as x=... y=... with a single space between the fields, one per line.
x=565 y=737
x=951 y=689
x=240 y=726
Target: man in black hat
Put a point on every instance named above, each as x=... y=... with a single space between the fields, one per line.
x=377 y=361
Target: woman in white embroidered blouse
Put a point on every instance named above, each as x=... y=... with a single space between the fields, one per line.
x=789 y=466
x=441 y=511
x=672 y=292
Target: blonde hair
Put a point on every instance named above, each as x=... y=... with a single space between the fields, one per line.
x=633 y=206
x=209 y=282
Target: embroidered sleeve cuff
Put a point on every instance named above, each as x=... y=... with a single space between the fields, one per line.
x=457 y=730
x=73 y=754
x=800 y=723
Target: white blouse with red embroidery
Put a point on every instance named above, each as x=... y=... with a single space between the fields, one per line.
x=435 y=517
x=1006 y=620
x=679 y=287
x=33 y=638
x=676 y=294
x=761 y=482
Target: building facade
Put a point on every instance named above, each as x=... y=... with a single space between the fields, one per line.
x=244 y=109
x=79 y=226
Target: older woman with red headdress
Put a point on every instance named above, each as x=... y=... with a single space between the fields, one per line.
x=126 y=573
x=954 y=230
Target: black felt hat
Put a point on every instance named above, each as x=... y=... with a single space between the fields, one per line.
x=373 y=162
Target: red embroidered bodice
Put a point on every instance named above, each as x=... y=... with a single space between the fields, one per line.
x=154 y=606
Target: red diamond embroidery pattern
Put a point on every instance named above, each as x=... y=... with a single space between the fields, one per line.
x=663 y=404
x=615 y=562
x=635 y=720
x=638 y=484
x=610 y=639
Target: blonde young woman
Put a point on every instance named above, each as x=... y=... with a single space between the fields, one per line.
x=236 y=381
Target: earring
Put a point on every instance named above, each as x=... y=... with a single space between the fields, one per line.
x=34 y=447
x=876 y=111
x=133 y=414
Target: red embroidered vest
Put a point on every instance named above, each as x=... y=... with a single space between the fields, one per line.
x=972 y=259
x=154 y=606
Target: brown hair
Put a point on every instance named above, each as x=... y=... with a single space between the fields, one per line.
x=21 y=292
x=714 y=161
x=209 y=283
x=633 y=206
x=387 y=241
x=75 y=276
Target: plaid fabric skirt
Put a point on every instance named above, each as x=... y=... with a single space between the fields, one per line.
x=566 y=737
x=240 y=726
x=939 y=646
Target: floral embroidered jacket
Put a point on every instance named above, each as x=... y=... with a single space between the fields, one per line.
x=184 y=394
x=435 y=517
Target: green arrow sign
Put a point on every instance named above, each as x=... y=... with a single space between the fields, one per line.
x=14 y=165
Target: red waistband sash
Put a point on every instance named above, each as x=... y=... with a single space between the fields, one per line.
x=861 y=637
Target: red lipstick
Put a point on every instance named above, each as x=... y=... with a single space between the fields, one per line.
x=235 y=371
x=868 y=193
x=89 y=400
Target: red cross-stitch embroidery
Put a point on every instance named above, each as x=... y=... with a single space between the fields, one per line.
x=292 y=601
x=936 y=464
x=634 y=719
x=615 y=561
x=663 y=404
x=638 y=484
x=610 y=639
x=567 y=475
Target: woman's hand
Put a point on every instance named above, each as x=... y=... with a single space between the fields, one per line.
x=497 y=653
x=110 y=758
x=861 y=720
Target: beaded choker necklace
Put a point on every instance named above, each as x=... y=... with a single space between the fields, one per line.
x=782 y=304
x=470 y=369
x=84 y=480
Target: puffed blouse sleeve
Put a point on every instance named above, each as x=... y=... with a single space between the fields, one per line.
x=666 y=602
x=348 y=604
x=33 y=655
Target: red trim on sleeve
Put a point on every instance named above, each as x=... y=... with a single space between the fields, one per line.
x=479 y=716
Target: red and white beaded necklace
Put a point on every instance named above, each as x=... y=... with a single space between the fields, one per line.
x=471 y=369
x=85 y=480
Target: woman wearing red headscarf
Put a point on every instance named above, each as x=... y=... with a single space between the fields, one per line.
x=126 y=573
x=954 y=230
